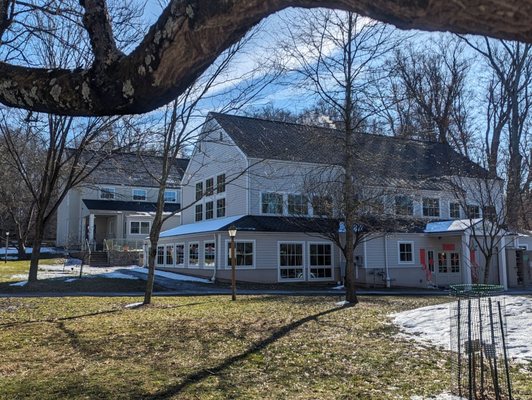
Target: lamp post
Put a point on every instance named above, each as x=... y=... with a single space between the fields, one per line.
x=232 y=234
x=7 y=245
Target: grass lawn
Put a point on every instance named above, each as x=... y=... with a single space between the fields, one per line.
x=263 y=347
x=21 y=268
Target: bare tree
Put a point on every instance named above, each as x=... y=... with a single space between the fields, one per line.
x=335 y=54
x=430 y=95
x=184 y=41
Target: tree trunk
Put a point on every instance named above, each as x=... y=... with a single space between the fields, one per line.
x=487 y=268
x=150 y=280
x=35 y=254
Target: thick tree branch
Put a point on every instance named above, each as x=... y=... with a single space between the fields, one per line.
x=190 y=34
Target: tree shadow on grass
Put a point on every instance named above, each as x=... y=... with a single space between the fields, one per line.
x=198 y=376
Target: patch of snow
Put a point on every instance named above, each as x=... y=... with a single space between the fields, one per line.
x=442 y=396
x=339 y=287
x=342 y=303
x=48 y=250
x=172 y=275
x=199 y=227
x=115 y=275
x=71 y=280
x=134 y=305
x=22 y=283
x=430 y=325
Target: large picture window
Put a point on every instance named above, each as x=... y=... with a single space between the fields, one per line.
x=244 y=254
x=272 y=203
x=404 y=205
x=297 y=204
x=431 y=207
x=209 y=254
x=139 y=228
x=291 y=261
x=193 y=254
x=320 y=257
x=406 y=252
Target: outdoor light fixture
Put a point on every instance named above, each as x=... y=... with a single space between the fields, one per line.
x=7 y=245
x=232 y=234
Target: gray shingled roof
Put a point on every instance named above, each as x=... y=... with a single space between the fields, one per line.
x=131 y=169
x=395 y=160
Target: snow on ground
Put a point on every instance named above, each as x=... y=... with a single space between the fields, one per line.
x=21 y=283
x=13 y=251
x=170 y=275
x=430 y=325
x=115 y=275
x=71 y=272
x=442 y=396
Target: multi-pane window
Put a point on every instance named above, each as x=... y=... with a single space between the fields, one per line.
x=193 y=254
x=320 y=260
x=473 y=211
x=209 y=253
x=431 y=207
x=139 y=228
x=199 y=190
x=220 y=183
x=442 y=263
x=199 y=212
x=170 y=196
x=454 y=210
x=169 y=255
x=272 y=203
x=455 y=262
x=297 y=204
x=160 y=255
x=243 y=254
x=291 y=261
x=107 y=193
x=489 y=212
x=209 y=187
x=404 y=205
x=139 y=194
x=209 y=210
x=406 y=252
x=220 y=208
x=322 y=206
x=179 y=254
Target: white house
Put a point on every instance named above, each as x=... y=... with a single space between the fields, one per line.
x=252 y=173
x=115 y=205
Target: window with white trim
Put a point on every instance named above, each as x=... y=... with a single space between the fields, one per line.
x=220 y=208
x=272 y=203
x=180 y=254
x=442 y=263
x=209 y=210
x=140 y=194
x=220 y=183
x=209 y=253
x=448 y=262
x=291 y=261
x=320 y=260
x=139 y=228
x=473 y=211
x=160 y=255
x=431 y=207
x=169 y=260
x=243 y=253
x=199 y=212
x=454 y=210
x=406 y=252
x=170 y=196
x=107 y=193
x=193 y=254
x=209 y=187
x=297 y=204
x=322 y=206
x=199 y=190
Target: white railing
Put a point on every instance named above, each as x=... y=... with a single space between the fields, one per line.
x=123 y=245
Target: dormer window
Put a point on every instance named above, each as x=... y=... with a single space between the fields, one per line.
x=404 y=205
x=431 y=207
x=107 y=193
x=140 y=194
x=170 y=196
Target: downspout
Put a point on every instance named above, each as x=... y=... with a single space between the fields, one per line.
x=386 y=270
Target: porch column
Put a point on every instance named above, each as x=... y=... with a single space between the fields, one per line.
x=503 y=277
x=91 y=228
x=466 y=262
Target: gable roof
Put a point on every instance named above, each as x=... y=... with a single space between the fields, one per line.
x=132 y=169
x=391 y=158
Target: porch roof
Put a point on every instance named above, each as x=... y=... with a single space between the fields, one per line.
x=458 y=225
x=120 y=205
